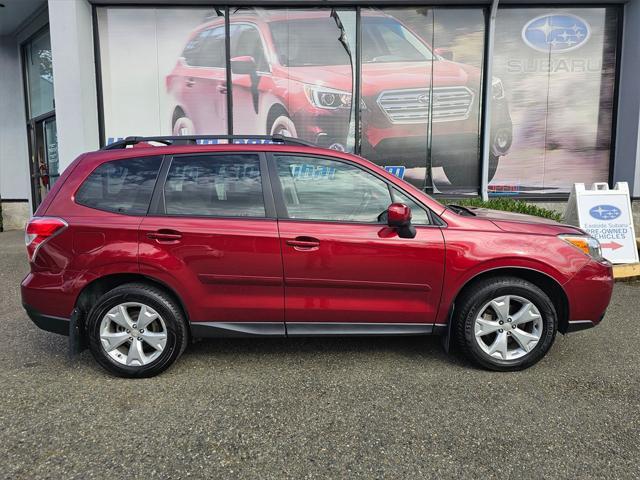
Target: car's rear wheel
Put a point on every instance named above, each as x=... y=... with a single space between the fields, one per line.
x=505 y=323
x=136 y=330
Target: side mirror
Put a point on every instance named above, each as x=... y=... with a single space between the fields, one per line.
x=244 y=65
x=399 y=218
x=444 y=53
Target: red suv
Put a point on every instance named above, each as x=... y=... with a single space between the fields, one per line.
x=293 y=75
x=135 y=251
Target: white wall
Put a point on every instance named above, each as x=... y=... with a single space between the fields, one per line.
x=14 y=159
x=74 y=79
x=627 y=155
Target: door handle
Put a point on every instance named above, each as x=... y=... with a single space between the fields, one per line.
x=165 y=235
x=190 y=82
x=304 y=243
x=222 y=88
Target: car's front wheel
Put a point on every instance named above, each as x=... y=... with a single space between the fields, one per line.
x=505 y=323
x=461 y=176
x=136 y=330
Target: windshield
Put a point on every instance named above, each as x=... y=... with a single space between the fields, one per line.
x=311 y=42
x=386 y=40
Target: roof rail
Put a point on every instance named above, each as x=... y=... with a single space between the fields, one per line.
x=194 y=139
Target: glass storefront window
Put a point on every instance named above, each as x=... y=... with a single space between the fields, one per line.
x=557 y=71
x=293 y=72
x=299 y=74
x=39 y=72
x=163 y=71
x=421 y=83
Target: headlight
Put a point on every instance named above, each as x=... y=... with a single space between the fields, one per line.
x=588 y=245
x=497 y=90
x=329 y=98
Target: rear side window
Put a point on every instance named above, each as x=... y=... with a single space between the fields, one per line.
x=122 y=186
x=214 y=186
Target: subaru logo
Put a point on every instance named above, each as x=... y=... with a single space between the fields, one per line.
x=605 y=212
x=556 y=33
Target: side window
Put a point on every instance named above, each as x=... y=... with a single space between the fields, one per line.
x=419 y=215
x=122 y=186
x=246 y=41
x=214 y=186
x=206 y=49
x=322 y=189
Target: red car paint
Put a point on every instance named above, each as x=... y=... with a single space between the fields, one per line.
x=284 y=270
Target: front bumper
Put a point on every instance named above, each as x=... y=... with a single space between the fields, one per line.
x=589 y=293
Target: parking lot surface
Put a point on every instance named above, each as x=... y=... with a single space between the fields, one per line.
x=318 y=408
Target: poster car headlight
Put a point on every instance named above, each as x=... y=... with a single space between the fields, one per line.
x=329 y=98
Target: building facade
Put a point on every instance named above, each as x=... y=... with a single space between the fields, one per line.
x=459 y=98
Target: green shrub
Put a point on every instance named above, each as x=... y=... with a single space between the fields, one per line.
x=508 y=205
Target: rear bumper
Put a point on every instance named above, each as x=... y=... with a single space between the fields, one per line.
x=49 y=323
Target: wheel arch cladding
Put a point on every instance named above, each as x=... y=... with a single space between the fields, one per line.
x=543 y=281
x=98 y=287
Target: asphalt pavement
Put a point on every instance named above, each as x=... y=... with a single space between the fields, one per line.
x=395 y=408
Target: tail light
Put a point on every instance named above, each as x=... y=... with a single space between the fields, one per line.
x=39 y=230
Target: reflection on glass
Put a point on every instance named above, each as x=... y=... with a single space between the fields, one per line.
x=51 y=150
x=420 y=107
x=37 y=56
x=293 y=74
x=219 y=186
x=557 y=71
x=321 y=189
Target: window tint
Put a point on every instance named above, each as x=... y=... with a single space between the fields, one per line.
x=321 y=189
x=123 y=186
x=206 y=49
x=419 y=215
x=246 y=41
x=214 y=185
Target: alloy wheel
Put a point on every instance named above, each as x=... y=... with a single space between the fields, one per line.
x=508 y=327
x=133 y=334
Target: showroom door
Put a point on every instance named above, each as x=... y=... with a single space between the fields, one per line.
x=43 y=146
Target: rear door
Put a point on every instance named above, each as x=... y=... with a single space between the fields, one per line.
x=204 y=83
x=212 y=233
x=344 y=269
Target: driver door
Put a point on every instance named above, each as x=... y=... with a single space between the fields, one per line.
x=341 y=265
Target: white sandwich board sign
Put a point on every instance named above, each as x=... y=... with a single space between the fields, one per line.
x=605 y=214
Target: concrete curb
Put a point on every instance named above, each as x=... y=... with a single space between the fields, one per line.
x=626 y=272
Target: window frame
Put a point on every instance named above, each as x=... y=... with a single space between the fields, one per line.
x=281 y=206
x=114 y=160
x=157 y=206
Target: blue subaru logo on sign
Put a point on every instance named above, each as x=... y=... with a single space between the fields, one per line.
x=556 y=33
x=605 y=212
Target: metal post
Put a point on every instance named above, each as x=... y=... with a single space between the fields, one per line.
x=487 y=80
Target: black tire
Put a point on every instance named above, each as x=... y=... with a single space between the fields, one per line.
x=461 y=176
x=468 y=306
x=163 y=304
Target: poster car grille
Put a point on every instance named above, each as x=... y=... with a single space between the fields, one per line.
x=412 y=106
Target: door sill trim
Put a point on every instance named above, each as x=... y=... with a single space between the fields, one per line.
x=339 y=329
x=310 y=329
x=237 y=329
